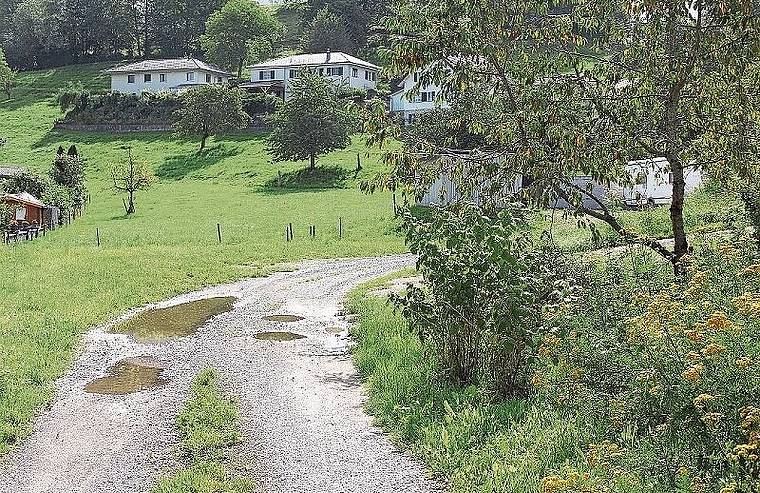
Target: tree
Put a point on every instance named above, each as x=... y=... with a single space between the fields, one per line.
x=581 y=91
x=7 y=75
x=130 y=178
x=68 y=171
x=241 y=31
x=311 y=123
x=327 y=31
x=210 y=110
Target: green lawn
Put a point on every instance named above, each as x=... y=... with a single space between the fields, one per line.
x=57 y=287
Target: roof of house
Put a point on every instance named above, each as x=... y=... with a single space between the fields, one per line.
x=23 y=197
x=311 y=59
x=168 y=65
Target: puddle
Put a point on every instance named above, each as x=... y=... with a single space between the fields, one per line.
x=160 y=324
x=128 y=376
x=282 y=318
x=278 y=336
x=334 y=330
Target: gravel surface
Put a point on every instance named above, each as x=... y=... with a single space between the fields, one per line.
x=301 y=401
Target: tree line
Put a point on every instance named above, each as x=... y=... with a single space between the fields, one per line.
x=46 y=33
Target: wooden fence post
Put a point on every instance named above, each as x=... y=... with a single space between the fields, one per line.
x=97 y=235
x=219 y=232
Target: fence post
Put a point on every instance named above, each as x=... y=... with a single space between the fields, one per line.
x=219 y=232
x=340 y=227
x=97 y=235
x=290 y=225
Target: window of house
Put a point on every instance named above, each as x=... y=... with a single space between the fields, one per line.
x=337 y=71
x=374 y=76
x=321 y=71
x=428 y=96
x=266 y=74
x=355 y=72
x=162 y=78
x=147 y=77
x=219 y=80
x=130 y=79
x=190 y=76
x=670 y=178
x=292 y=74
x=416 y=77
x=366 y=75
x=208 y=79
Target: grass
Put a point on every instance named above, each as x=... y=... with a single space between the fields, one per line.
x=57 y=287
x=208 y=426
x=469 y=441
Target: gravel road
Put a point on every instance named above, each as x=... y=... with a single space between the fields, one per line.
x=301 y=402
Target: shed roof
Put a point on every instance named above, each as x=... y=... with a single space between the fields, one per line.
x=8 y=171
x=311 y=59
x=24 y=198
x=169 y=64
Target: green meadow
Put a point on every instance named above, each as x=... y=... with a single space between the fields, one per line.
x=55 y=288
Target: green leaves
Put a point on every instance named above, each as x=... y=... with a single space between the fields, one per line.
x=210 y=110
x=311 y=123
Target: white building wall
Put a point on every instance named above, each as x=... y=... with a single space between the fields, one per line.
x=282 y=74
x=173 y=83
x=407 y=106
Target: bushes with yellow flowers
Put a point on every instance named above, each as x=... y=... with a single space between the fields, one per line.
x=676 y=372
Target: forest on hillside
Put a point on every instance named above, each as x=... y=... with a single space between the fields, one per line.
x=38 y=34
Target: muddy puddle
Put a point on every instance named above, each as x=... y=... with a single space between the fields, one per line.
x=160 y=324
x=129 y=376
x=334 y=330
x=278 y=336
x=282 y=318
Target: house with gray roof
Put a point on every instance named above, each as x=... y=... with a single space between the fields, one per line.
x=274 y=76
x=170 y=75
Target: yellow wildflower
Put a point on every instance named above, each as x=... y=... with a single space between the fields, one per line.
x=694 y=373
x=694 y=335
x=718 y=321
x=701 y=399
x=711 y=419
x=712 y=349
x=743 y=362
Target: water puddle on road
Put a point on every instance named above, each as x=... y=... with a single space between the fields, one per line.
x=160 y=324
x=128 y=376
x=278 y=336
x=334 y=330
x=282 y=318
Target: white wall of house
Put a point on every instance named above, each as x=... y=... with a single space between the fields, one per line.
x=404 y=103
x=171 y=81
x=353 y=76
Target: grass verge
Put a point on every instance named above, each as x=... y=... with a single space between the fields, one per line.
x=208 y=426
x=465 y=439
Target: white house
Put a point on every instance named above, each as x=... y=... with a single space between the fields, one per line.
x=172 y=75
x=407 y=103
x=274 y=76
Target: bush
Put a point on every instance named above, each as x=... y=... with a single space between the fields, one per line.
x=480 y=308
x=674 y=367
x=260 y=104
x=74 y=95
x=116 y=108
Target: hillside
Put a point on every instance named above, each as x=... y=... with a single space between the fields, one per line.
x=56 y=287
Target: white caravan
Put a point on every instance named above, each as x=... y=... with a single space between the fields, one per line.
x=653 y=182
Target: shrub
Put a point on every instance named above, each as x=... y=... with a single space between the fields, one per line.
x=260 y=104
x=74 y=95
x=116 y=108
x=675 y=369
x=484 y=287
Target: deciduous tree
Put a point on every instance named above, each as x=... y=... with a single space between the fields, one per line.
x=311 y=123
x=130 y=178
x=240 y=32
x=7 y=75
x=581 y=91
x=210 y=110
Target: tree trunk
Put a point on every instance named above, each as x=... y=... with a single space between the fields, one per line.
x=131 y=207
x=240 y=69
x=203 y=141
x=312 y=161
x=676 y=217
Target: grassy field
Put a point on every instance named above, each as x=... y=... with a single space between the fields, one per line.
x=57 y=287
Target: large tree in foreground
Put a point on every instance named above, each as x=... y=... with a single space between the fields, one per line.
x=559 y=92
x=241 y=31
x=313 y=122
x=210 y=110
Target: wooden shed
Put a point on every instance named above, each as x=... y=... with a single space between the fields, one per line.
x=29 y=208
